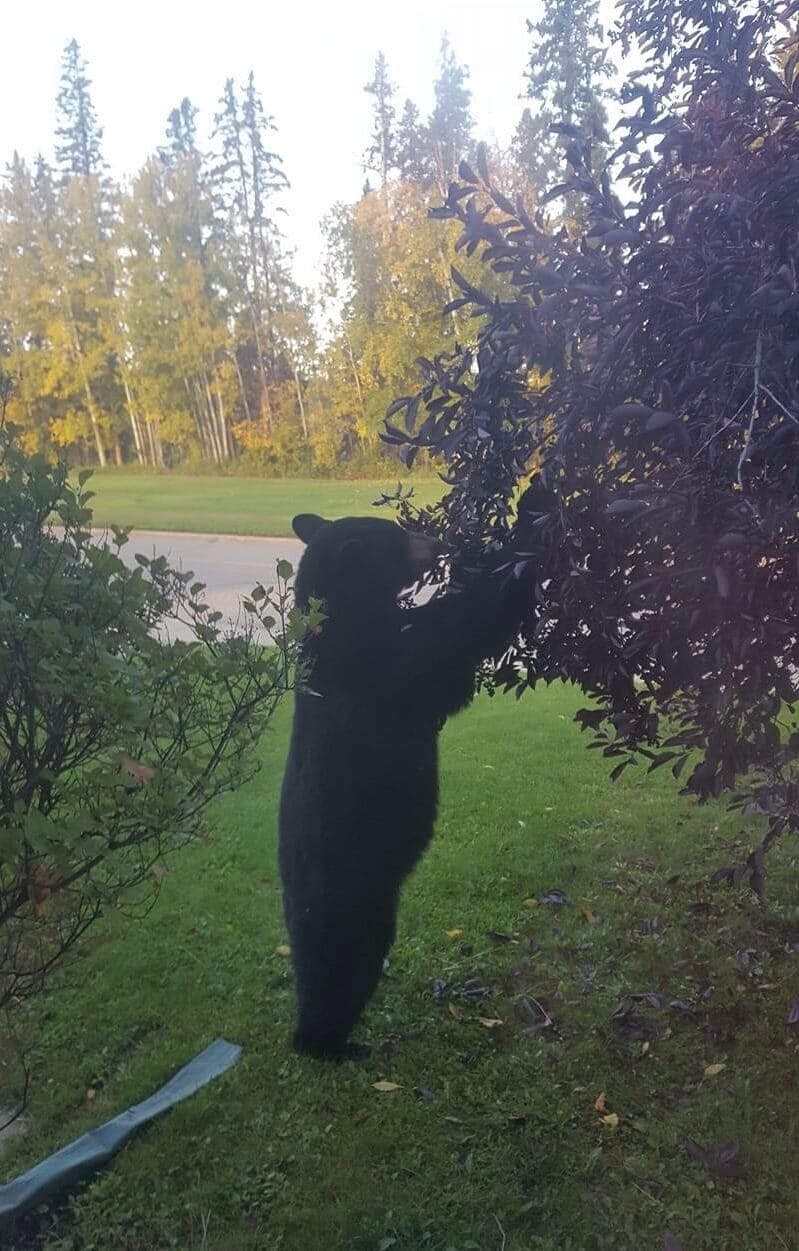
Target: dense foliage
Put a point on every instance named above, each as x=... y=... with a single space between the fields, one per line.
x=112 y=744
x=646 y=368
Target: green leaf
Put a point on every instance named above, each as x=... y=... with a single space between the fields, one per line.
x=39 y=830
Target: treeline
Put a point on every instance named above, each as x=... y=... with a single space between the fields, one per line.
x=158 y=320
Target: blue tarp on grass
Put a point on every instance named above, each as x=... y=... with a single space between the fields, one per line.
x=87 y=1153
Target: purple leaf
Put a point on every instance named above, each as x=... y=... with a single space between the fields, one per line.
x=681 y=1005
x=554 y=897
x=696 y=1152
x=725 y=1161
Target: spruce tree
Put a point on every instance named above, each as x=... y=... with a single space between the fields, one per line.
x=450 y=127
x=380 y=156
x=78 y=133
x=85 y=259
x=249 y=179
x=566 y=75
x=181 y=133
x=412 y=147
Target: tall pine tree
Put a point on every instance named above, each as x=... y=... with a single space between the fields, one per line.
x=412 y=147
x=450 y=128
x=181 y=133
x=78 y=133
x=380 y=156
x=249 y=178
x=86 y=261
x=567 y=75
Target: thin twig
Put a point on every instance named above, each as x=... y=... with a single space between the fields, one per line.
x=548 y=1020
x=502 y=1233
x=755 y=398
x=715 y=435
x=721 y=429
x=791 y=416
x=205 y=1221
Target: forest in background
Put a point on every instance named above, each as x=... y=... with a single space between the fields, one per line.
x=156 y=320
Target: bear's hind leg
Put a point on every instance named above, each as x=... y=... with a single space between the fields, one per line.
x=337 y=975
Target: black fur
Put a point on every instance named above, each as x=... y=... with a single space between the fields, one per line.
x=361 y=783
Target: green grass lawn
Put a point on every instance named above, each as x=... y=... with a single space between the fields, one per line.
x=217 y=505
x=492 y=1139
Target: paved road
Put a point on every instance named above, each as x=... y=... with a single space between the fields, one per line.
x=229 y=565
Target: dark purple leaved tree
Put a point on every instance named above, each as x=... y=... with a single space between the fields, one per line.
x=644 y=376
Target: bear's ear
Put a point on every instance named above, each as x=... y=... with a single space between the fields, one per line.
x=307 y=525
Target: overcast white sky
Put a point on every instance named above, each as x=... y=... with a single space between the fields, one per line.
x=311 y=61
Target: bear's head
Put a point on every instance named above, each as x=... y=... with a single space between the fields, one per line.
x=358 y=562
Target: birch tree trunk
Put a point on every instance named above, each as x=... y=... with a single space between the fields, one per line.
x=87 y=390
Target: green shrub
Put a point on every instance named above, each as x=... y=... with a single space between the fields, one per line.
x=112 y=743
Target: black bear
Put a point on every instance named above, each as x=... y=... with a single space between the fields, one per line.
x=360 y=788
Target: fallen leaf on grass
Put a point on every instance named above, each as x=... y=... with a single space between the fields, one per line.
x=611 y=1120
x=554 y=897
x=723 y=1162
x=490 y=1022
x=600 y=1103
x=91 y=1093
x=713 y=1070
x=473 y=989
x=384 y=1087
x=453 y=933
x=590 y=916
x=682 y=1005
x=530 y=903
x=283 y=950
x=453 y=1011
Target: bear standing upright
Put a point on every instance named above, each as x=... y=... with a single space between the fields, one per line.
x=360 y=788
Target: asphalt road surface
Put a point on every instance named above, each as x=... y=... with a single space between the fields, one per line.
x=229 y=565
